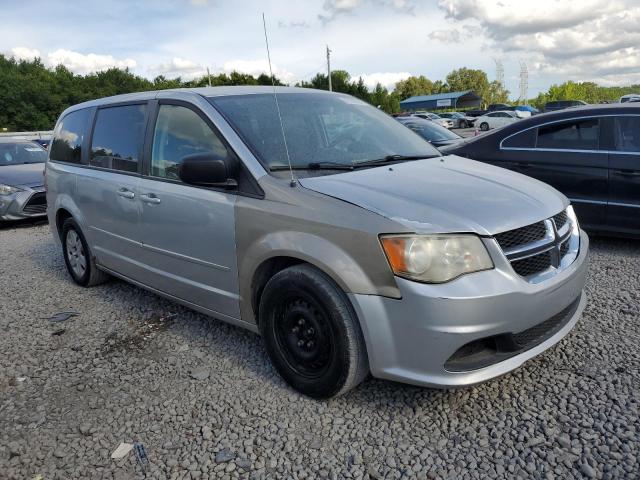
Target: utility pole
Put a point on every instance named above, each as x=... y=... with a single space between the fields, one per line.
x=209 y=76
x=329 y=67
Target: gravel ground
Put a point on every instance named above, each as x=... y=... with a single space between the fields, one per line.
x=202 y=398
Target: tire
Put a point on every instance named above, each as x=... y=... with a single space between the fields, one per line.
x=484 y=126
x=311 y=333
x=78 y=258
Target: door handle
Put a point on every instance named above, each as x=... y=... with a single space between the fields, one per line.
x=126 y=193
x=628 y=173
x=150 y=198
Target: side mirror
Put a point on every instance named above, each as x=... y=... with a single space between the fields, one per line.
x=206 y=170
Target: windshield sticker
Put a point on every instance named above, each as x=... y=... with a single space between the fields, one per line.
x=33 y=149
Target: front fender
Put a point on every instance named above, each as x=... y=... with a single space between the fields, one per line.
x=318 y=251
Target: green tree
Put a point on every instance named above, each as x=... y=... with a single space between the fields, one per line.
x=413 y=86
x=469 y=79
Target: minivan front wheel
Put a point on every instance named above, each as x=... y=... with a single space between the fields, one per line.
x=484 y=126
x=77 y=256
x=311 y=333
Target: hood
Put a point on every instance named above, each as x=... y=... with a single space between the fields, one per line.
x=445 y=195
x=26 y=175
x=442 y=143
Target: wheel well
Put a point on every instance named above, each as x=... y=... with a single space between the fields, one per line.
x=263 y=274
x=61 y=216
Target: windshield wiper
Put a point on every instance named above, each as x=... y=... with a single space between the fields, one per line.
x=390 y=159
x=314 y=166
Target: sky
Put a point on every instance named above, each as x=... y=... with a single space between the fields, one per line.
x=381 y=40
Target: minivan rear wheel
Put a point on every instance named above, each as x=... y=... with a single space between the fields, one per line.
x=78 y=258
x=311 y=332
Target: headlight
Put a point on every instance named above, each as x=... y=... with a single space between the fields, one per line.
x=8 y=189
x=435 y=258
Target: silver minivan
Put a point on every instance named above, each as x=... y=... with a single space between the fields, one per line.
x=347 y=241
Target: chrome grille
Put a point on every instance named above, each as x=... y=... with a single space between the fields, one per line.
x=522 y=236
x=560 y=220
x=532 y=265
x=535 y=251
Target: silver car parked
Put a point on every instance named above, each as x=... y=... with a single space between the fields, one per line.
x=21 y=179
x=347 y=241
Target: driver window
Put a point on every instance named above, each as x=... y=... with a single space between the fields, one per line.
x=180 y=132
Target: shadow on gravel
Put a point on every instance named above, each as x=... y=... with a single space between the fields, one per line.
x=26 y=223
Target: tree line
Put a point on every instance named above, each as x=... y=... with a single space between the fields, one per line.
x=32 y=96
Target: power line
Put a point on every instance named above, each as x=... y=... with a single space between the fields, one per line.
x=524 y=82
x=499 y=71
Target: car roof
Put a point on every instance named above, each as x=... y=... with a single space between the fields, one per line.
x=201 y=91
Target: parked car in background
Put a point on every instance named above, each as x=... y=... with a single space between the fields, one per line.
x=435 y=118
x=433 y=133
x=495 y=120
x=459 y=120
x=562 y=104
x=591 y=154
x=21 y=179
x=475 y=113
x=631 y=97
x=351 y=247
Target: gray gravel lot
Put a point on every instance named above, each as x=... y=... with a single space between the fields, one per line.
x=123 y=371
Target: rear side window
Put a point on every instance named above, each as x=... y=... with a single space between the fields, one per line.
x=525 y=139
x=180 y=132
x=575 y=135
x=117 y=138
x=68 y=137
x=627 y=134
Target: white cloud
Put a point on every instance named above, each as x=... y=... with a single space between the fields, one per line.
x=335 y=8
x=87 y=63
x=25 y=53
x=586 y=40
x=386 y=79
x=180 y=67
x=74 y=61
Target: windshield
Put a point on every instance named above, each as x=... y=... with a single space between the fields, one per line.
x=21 y=153
x=430 y=131
x=319 y=128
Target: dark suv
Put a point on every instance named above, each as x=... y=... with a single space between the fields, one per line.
x=562 y=104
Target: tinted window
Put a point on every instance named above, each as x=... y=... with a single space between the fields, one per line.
x=21 y=153
x=318 y=127
x=180 y=132
x=627 y=134
x=68 y=137
x=526 y=139
x=117 y=138
x=576 y=135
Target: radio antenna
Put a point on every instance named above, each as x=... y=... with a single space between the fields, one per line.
x=275 y=97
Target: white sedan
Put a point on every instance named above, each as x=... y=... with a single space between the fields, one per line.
x=496 y=119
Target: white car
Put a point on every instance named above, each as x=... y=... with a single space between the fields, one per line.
x=496 y=120
x=443 y=122
x=631 y=97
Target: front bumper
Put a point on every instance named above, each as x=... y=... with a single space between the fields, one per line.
x=410 y=340
x=27 y=203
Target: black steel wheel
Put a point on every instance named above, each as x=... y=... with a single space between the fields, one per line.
x=311 y=332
